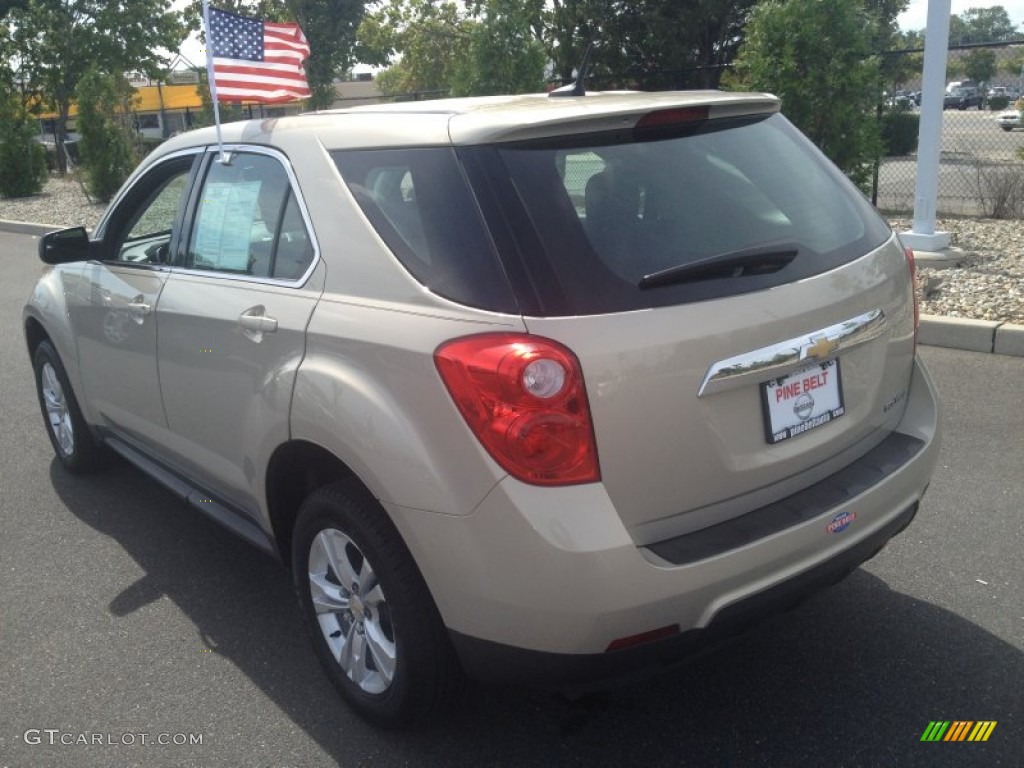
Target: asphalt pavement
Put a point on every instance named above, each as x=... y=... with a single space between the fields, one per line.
x=126 y=617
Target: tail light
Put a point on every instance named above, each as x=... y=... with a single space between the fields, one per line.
x=524 y=399
x=912 y=266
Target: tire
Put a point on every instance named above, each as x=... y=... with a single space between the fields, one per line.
x=1006 y=128
x=380 y=639
x=73 y=442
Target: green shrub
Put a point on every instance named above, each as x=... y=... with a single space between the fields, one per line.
x=815 y=55
x=998 y=103
x=22 y=158
x=899 y=132
x=107 y=152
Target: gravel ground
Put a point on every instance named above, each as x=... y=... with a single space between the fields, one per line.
x=988 y=283
x=62 y=203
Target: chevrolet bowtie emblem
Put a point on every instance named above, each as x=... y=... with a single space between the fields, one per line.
x=821 y=348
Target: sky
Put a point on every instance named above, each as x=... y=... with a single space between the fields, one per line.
x=916 y=15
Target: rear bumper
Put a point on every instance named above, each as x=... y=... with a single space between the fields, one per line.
x=578 y=673
x=545 y=579
x=855 y=478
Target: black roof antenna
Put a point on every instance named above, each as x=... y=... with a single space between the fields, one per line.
x=576 y=87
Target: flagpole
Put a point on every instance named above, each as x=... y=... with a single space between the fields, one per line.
x=222 y=158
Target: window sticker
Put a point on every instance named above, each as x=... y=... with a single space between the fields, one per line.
x=224 y=229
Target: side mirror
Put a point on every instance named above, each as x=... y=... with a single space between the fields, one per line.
x=65 y=246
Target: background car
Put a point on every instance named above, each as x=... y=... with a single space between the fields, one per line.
x=962 y=94
x=901 y=99
x=1008 y=119
x=1007 y=91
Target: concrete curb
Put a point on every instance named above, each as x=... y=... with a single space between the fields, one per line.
x=972 y=335
x=1009 y=340
x=936 y=331
x=947 y=258
x=27 y=227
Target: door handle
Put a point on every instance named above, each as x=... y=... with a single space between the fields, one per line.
x=139 y=308
x=256 y=321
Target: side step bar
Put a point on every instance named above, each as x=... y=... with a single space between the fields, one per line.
x=231 y=518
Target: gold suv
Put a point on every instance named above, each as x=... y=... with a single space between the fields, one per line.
x=549 y=390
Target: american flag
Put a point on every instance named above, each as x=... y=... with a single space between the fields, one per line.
x=256 y=60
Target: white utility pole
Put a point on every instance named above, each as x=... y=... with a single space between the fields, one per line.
x=923 y=236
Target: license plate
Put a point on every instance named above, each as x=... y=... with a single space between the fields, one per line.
x=802 y=401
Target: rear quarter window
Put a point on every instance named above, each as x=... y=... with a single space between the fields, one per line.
x=419 y=203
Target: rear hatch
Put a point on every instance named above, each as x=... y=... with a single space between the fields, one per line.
x=743 y=318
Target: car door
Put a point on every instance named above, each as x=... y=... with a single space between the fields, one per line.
x=113 y=308
x=232 y=319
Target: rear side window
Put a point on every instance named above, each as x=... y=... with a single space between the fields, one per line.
x=418 y=202
x=248 y=221
x=608 y=211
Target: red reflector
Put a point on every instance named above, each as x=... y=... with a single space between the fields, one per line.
x=676 y=116
x=524 y=399
x=644 y=637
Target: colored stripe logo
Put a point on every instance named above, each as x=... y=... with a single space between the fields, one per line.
x=958 y=730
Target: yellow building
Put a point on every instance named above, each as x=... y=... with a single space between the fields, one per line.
x=161 y=110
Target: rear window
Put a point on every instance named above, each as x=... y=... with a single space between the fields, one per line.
x=594 y=216
x=419 y=203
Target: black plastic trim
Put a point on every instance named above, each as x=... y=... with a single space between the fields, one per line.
x=220 y=511
x=579 y=673
x=853 y=479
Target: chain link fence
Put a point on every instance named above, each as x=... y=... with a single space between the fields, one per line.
x=981 y=169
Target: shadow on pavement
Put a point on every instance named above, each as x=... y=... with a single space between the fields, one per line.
x=850 y=678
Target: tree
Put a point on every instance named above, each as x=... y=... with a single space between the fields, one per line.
x=688 y=44
x=331 y=26
x=56 y=41
x=696 y=40
x=816 y=56
x=979 y=64
x=1014 y=64
x=898 y=68
x=430 y=38
x=104 y=106
x=7 y=5
x=490 y=47
x=981 y=25
x=22 y=158
x=503 y=56
x=567 y=27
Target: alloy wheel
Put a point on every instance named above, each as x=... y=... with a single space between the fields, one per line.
x=57 y=413
x=352 y=611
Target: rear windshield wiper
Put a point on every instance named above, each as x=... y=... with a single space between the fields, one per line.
x=761 y=260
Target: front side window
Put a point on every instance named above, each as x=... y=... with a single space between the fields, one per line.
x=248 y=221
x=145 y=220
